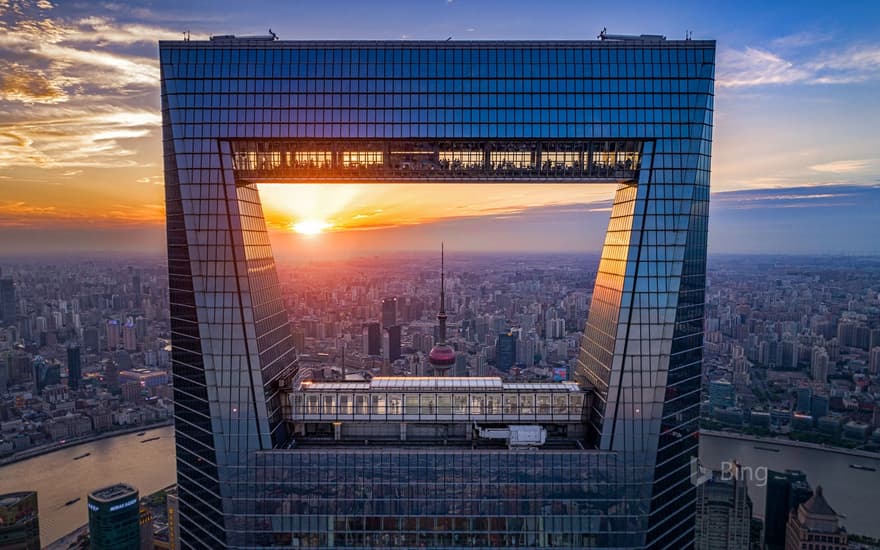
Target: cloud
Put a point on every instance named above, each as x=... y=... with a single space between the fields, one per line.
x=90 y=99
x=75 y=138
x=831 y=195
x=18 y=83
x=27 y=214
x=155 y=180
x=761 y=67
x=801 y=39
x=843 y=166
x=755 y=67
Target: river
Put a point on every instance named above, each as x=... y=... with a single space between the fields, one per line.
x=58 y=478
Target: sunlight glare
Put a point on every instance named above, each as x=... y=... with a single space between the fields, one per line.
x=310 y=227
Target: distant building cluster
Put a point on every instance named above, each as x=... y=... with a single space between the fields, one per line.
x=84 y=349
x=518 y=319
x=792 y=347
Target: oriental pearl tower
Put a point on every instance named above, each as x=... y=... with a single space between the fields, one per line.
x=442 y=355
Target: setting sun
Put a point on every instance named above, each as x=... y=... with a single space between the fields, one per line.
x=310 y=227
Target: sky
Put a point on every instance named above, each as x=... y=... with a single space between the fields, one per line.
x=796 y=151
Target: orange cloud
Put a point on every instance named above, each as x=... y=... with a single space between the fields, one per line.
x=17 y=83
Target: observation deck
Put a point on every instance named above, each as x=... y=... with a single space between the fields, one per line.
x=447 y=161
x=432 y=409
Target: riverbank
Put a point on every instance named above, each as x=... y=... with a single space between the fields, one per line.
x=57 y=446
x=791 y=443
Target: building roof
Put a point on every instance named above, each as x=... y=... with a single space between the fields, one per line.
x=261 y=42
x=113 y=492
x=11 y=499
x=817 y=504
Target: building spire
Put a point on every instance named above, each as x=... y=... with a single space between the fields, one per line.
x=442 y=315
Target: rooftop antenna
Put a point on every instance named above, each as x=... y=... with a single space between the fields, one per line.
x=603 y=33
x=273 y=35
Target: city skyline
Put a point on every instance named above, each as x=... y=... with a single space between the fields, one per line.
x=794 y=167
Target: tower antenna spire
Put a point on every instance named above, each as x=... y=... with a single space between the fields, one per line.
x=442 y=355
x=442 y=315
x=442 y=279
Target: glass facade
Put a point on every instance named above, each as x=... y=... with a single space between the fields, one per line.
x=634 y=112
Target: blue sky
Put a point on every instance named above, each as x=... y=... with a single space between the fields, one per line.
x=796 y=156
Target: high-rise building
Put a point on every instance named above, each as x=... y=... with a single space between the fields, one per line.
x=74 y=367
x=721 y=394
x=114 y=518
x=393 y=342
x=505 y=351
x=804 y=400
x=554 y=329
x=814 y=525
x=113 y=334
x=129 y=335
x=4 y=373
x=874 y=338
x=819 y=365
x=635 y=111
x=145 y=523
x=45 y=373
x=874 y=360
x=19 y=521
x=785 y=491
x=91 y=339
x=299 y=340
x=819 y=406
x=724 y=512
x=372 y=339
x=171 y=512
x=8 y=301
x=389 y=312
x=21 y=368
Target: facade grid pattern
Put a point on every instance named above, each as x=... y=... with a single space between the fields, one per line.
x=231 y=342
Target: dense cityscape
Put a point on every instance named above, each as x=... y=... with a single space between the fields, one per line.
x=327 y=285
x=792 y=344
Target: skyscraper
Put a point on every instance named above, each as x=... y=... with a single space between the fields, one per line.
x=505 y=351
x=393 y=342
x=819 y=365
x=874 y=360
x=74 y=367
x=7 y=301
x=389 y=312
x=724 y=512
x=19 y=521
x=372 y=339
x=815 y=524
x=785 y=491
x=635 y=111
x=114 y=518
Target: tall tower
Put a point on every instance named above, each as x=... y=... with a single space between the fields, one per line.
x=442 y=356
x=268 y=119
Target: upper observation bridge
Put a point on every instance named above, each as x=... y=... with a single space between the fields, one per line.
x=435 y=161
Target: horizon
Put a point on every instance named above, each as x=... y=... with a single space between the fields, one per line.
x=783 y=178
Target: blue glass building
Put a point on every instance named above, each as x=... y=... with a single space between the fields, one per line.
x=253 y=469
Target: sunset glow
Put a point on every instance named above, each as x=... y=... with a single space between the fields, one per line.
x=81 y=136
x=310 y=227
